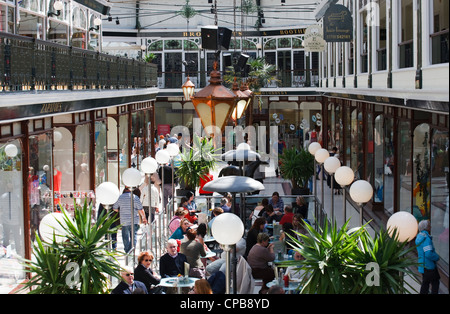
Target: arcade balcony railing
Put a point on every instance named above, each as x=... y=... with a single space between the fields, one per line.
x=32 y=64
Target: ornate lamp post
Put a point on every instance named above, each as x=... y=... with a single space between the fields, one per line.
x=320 y=156
x=344 y=176
x=228 y=229
x=215 y=103
x=331 y=164
x=361 y=192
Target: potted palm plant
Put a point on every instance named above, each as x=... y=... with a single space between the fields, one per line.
x=54 y=267
x=297 y=166
x=351 y=261
x=195 y=163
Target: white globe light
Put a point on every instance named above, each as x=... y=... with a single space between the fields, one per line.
x=149 y=165
x=11 y=150
x=243 y=146
x=162 y=157
x=53 y=223
x=406 y=225
x=131 y=177
x=57 y=136
x=107 y=193
x=321 y=155
x=331 y=164
x=344 y=176
x=314 y=147
x=227 y=229
x=173 y=149
x=58 y=5
x=361 y=191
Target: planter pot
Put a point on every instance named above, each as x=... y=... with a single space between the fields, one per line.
x=300 y=191
x=182 y=192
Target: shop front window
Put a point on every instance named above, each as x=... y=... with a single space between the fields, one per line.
x=124 y=158
x=421 y=172
x=440 y=192
x=380 y=167
x=40 y=179
x=82 y=158
x=404 y=166
x=63 y=172
x=11 y=215
x=389 y=164
x=100 y=152
x=113 y=152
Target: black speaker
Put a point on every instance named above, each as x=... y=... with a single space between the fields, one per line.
x=242 y=61
x=216 y=38
x=209 y=37
x=226 y=60
x=224 y=38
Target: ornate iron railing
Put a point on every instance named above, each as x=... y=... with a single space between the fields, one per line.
x=32 y=64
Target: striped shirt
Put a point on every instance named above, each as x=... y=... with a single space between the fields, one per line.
x=124 y=204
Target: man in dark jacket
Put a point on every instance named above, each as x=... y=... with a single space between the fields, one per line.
x=128 y=285
x=171 y=264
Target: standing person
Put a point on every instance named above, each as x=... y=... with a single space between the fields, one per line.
x=149 y=209
x=427 y=259
x=167 y=184
x=113 y=216
x=124 y=203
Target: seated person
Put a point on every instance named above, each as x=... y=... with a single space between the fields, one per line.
x=181 y=230
x=194 y=250
x=295 y=272
x=128 y=285
x=224 y=205
x=176 y=219
x=252 y=234
x=259 y=257
x=171 y=264
x=288 y=215
x=259 y=210
x=270 y=215
x=300 y=206
x=277 y=203
x=188 y=215
x=216 y=212
x=144 y=273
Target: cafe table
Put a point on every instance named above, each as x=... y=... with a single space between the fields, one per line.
x=293 y=285
x=175 y=282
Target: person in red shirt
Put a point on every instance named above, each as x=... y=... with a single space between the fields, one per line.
x=288 y=215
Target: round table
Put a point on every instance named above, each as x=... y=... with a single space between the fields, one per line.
x=293 y=285
x=174 y=282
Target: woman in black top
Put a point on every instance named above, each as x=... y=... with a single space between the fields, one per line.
x=144 y=273
x=257 y=227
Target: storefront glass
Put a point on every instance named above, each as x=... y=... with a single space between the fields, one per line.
x=82 y=158
x=440 y=192
x=63 y=172
x=389 y=164
x=40 y=179
x=380 y=167
x=100 y=152
x=405 y=166
x=11 y=215
x=124 y=158
x=421 y=171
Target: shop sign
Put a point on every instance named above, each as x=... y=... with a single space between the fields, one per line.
x=338 y=24
x=314 y=41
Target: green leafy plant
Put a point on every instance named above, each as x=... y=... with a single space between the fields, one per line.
x=336 y=261
x=297 y=166
x=85 y=249
x=149 y=57
x=196 y=162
